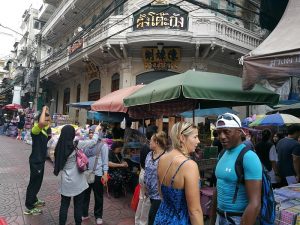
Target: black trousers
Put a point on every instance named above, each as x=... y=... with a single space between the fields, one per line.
x=64 y=206
x=97 y=188
x=153 y=210
x=35 y=183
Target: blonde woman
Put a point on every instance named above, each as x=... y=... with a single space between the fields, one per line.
x=179 y=179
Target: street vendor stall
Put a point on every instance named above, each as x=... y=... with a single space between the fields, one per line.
x=288 y=205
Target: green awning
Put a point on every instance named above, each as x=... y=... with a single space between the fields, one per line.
x=182 y=92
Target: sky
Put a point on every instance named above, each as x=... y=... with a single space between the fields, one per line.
x=11 y=12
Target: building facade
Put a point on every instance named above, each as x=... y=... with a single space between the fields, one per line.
x=22 y=65
x=91 y=49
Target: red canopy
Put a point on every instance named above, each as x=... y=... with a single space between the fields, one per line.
x=113 y=102
x=12 y=106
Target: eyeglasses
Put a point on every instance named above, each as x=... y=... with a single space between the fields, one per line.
x=228 y=117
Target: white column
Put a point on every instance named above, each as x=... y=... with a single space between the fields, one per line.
x=126 y=79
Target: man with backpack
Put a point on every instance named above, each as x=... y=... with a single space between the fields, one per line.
x=237 y=198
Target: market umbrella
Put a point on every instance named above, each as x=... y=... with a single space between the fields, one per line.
x=13 y=106
x=208 y=112
x=81 y=105
x=113 y=102
x=293 y=109
x=248 y=120
x=277 y=119
x=194 y=89
x=105 y=116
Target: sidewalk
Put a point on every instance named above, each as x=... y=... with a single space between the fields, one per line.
x=14 y=177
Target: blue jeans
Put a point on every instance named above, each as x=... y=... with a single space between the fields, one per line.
x=229 y=220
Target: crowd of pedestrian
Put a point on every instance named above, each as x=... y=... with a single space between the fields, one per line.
x=169 y=180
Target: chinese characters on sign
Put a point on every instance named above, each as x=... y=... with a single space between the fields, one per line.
x=75 y=47
x=167 y=58
x=153 y=17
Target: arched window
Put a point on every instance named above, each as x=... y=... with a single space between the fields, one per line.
x=115 y=82
x=78 y=93
x=94 y=90
x=66 y=101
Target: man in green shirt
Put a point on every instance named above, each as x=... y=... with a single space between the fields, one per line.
x=37 y=158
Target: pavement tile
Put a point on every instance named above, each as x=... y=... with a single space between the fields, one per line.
x=14 y=178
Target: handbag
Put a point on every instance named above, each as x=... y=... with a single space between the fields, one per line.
x=90 y=174
x=82 y=160
x=135 y=198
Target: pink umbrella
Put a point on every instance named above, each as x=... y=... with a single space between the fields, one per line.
x=12 y=106
x=113 y=102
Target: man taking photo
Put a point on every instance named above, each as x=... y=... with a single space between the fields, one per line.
x=37 y=158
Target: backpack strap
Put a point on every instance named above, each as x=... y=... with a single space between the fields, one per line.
x=221 y=154
x=239 y=170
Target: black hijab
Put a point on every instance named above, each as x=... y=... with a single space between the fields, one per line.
x=64 y=148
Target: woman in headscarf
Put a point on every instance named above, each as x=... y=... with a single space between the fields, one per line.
x=72 y=182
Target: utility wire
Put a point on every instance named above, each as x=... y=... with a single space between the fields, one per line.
x=252 y=11
x=199 y=4
x=100 y=19
x=16 y=32
x=105 y=39
x=91 y=26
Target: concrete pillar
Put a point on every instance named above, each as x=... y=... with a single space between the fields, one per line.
x=126 y=79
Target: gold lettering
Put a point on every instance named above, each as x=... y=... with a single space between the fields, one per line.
x=141 y=22
x=152 y=18
x=175 y=21
x=160 y=18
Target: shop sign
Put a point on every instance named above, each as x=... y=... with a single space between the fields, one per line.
x=160 y=16
x=167 y=58
x=75 y=47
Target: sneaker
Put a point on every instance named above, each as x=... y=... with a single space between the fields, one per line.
x=33 y=212
x=39 y=203
x=85 y=218
x=99 y=221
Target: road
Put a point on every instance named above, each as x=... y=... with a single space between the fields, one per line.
x=14 y=177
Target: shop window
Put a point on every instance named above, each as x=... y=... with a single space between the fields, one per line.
x=94 y=90
x=66 y=101
x=78 y=93
x=115 y=82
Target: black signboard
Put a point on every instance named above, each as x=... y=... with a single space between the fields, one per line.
x=160 y=16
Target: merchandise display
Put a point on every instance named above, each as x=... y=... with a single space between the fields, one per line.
x=288 y=205
x=60 y=119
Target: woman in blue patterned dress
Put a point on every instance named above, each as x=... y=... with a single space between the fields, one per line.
x=158 y=146
x=179 y=180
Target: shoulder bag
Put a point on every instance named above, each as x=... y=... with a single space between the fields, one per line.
x=90 y=174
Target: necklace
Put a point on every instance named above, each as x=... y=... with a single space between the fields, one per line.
x=163 y=152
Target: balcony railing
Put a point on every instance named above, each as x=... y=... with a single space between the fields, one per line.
x=226 y=31
x=200 y=27
x=110 y=26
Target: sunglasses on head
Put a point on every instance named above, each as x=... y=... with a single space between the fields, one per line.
x=228 y=117
x=185 y=129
